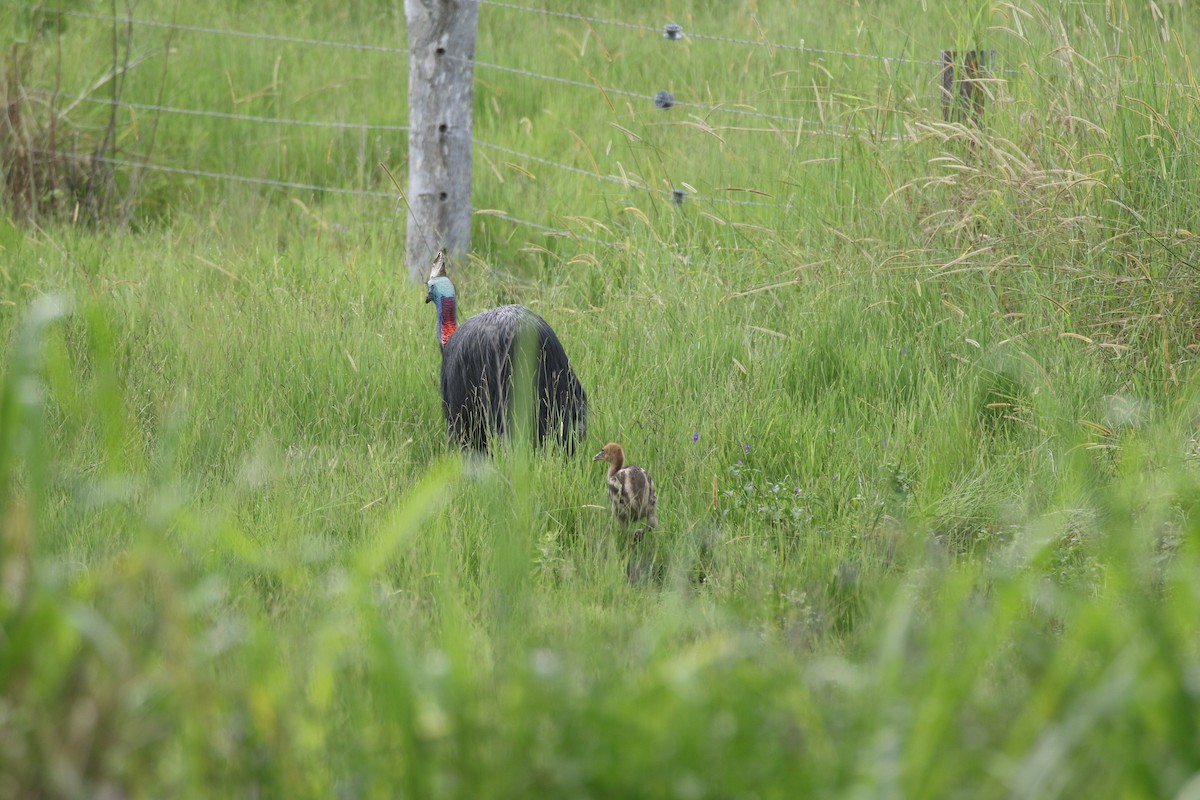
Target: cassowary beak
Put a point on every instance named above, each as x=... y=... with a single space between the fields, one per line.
x=599 y=456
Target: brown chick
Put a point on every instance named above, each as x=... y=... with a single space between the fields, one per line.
x=630 y=490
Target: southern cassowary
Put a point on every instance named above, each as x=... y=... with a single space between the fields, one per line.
x=478 y=356
x=631 y=493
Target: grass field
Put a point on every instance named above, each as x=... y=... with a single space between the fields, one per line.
x=923 y=425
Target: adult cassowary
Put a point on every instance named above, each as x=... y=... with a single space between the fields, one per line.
x=477 y=371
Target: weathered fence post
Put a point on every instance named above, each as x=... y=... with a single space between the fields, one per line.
x=947 y=81
x=972 y=69
x=441 y=67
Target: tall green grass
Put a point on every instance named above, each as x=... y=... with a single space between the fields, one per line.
x=924 y=440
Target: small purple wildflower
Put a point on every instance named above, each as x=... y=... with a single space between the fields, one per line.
x=739 y=461
x=747 y=447
x=695 y=437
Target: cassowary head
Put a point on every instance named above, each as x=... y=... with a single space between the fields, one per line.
x=439 y=284
x=440 y=290
x=612 y=453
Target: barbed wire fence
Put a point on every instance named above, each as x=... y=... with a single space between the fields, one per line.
x=678 y=194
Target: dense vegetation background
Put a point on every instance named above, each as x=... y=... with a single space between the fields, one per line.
x=918 y=396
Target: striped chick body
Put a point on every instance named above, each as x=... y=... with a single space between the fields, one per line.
x=631 y=494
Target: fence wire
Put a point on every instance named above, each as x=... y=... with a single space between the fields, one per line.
x=266 y=37
x=497 y=3
x=626 y=182
x=817 y=129
x=807 y=126
x=133 y=164
x=676 y=195
x=366 y=127
x=225 y=176
x=709 y=37
x=560 y=233
x=198 y=112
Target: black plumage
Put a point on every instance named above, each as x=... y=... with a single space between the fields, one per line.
x=477 y=380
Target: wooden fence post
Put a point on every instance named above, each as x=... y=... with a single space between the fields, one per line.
x=965 y=73
x=441 y=75
x=947 y=81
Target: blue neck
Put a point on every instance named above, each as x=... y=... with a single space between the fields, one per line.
x=447 y=320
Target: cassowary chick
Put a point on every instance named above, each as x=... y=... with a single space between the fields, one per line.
x=631 y=492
